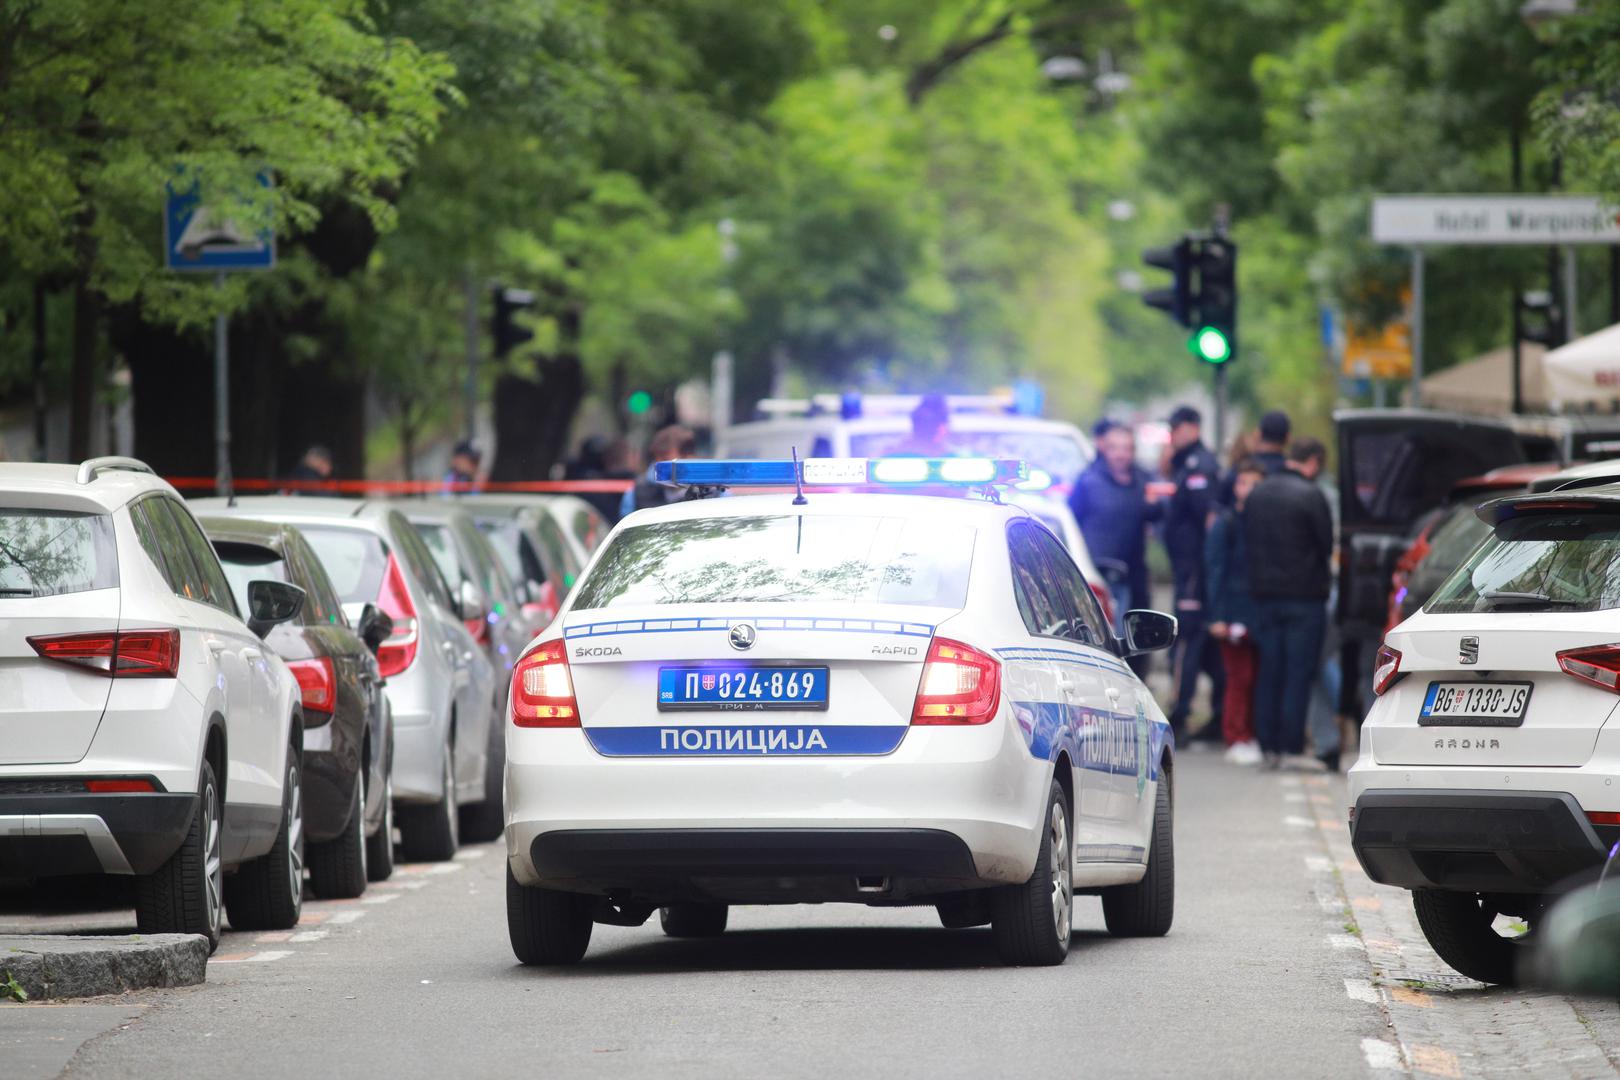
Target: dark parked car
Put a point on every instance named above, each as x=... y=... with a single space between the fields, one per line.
x=348 y=734
x=532 y=549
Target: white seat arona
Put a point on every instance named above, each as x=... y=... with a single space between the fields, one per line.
x=145 y=728
x=1489 y=776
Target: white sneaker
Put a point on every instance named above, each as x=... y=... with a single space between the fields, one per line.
x=1248 y=753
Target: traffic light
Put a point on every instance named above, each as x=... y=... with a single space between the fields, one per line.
x=1214 y=301
x=1540 y=318
x=1177 y=258
x=506 y=330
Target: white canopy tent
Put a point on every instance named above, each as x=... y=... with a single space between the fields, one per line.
x=1586 y=372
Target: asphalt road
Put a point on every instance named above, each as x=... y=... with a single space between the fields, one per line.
x=417 y=980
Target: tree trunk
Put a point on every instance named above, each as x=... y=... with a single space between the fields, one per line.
x=86 y=372
x=533 y=416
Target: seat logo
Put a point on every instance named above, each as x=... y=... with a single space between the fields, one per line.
x=743 y=636
x=1468 y=650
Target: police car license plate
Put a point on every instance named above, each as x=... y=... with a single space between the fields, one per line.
x=1475 y=704
x=742 y=688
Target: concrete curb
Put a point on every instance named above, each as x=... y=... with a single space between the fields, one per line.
x=62 y=966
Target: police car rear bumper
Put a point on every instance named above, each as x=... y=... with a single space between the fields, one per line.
x=950 y=809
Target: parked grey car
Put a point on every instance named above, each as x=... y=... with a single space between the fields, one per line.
x=440 y=684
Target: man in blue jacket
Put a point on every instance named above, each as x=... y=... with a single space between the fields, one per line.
x=1113 y=507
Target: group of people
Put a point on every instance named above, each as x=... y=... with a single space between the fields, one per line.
x=1250 y=550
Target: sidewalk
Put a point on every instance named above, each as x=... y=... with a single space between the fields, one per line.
x=52 y=966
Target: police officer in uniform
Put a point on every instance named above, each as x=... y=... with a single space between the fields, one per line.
x=1195 y=474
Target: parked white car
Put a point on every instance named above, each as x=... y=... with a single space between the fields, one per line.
x=145 y=728
x=1487 y=782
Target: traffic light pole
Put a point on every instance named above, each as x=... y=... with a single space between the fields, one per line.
x=470 y=329
x=222 y=399
x=1220 y=409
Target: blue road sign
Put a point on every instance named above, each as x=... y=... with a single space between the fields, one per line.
x=196 y=239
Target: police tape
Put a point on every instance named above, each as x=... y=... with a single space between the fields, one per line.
x=259 y=485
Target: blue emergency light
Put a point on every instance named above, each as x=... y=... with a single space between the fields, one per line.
x=842 y=472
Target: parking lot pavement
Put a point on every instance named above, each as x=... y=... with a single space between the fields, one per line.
x=1282 y=962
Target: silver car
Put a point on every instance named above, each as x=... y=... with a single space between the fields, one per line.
x=441 y=686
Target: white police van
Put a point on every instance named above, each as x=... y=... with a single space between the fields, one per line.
x=878 y=698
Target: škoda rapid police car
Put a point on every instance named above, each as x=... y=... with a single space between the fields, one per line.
x=889 y=693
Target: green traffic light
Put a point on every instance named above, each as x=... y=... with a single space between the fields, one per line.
x=1212 y=346
x=639 y=402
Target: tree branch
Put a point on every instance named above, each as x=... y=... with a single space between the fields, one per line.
x=928 y=74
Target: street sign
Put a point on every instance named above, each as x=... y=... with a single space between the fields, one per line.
x=195 y=238
x=1494 y=219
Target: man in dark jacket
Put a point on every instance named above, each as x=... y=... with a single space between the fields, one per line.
x=1195 y=474
x=1289 y=531
x=1113 y=506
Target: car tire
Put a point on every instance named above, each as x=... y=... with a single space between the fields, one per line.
x=1031 y=922
x=1147 y=908
x=1458 y=928
x=485 y=821
x=268 y=892
x=185 y=895
x=693 y=920
x=547 y=926
x=431 y=832
x=380 y=844
x=337 y=867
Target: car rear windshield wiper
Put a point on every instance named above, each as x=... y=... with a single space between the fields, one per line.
x=1507 y=596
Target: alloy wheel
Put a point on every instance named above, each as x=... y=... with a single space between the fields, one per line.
x=213 y=863
x=1061 y=859
x=295 y=835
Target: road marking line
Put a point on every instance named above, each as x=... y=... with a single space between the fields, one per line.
x=468 y=854
x=1367 y=903
x=1330 y=904
x=1345 y=941
x=311 y=917
x=383 y=899
x=1299 y=822
x=274 y=938
x=1380 y=1054
x=1319 y=864
x=252 y=958
x=1438 y=1062
x=343 y=918
x=1361 y=990
x=1288 y=781
x=308 y=935
x=1293 y=796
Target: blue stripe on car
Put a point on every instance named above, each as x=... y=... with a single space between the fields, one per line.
x=752 y=740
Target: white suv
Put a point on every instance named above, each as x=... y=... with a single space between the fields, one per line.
x=145 y=728
x=1487 y=782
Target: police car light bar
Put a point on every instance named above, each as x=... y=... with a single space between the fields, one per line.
x=841 y=472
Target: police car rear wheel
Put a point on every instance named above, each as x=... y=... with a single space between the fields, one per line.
x=1031 y=922
x=1459 y=927
x=546 y=926
x=693 y=920
x=1147 y=908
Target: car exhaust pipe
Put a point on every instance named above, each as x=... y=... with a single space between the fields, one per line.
x=864 y=884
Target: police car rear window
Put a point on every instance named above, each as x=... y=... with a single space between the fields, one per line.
x=783 y=559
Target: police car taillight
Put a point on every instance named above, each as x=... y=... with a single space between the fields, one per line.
x=1386 y=668
x=960 y=685
x=543 y=688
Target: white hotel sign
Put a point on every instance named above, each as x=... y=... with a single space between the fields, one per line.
x=1494 y=219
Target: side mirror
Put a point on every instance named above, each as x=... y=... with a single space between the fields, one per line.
x=271 y=603
x=374 y=626
x=473 y=603
x=1149 y=631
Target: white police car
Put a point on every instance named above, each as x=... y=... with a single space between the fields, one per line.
x=1489 y=775
x=841 y=696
